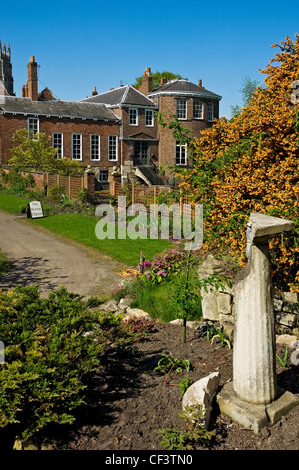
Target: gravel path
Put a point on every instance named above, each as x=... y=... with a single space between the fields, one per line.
x=38 y=256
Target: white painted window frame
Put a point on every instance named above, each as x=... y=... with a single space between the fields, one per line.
x=115 y=138
x=61 y=149
x=98 y=136
x=133 y=116
x=81 y=146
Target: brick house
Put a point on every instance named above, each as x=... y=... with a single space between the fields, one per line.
x=138 y=132
x=195 y=106
x=87 y=132
x=111 y=132
x=144 y=147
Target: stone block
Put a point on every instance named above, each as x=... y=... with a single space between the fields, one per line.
x=290 y=341
x=255 y=417
x=290 y=307
x=277 y=303
x=209 y=305
x=287 y=319
x=282 y=406
x=224 y=303
x=290 y=297
x=250 y=416
x=202 y=392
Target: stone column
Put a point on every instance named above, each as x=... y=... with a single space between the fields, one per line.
x=253 y=397
x=254 y=375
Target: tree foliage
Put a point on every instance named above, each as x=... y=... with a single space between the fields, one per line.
x=249 y=86
x=250 y=164
x=156 y=78
x=36 y=152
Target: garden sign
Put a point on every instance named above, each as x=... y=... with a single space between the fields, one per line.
x=35 y=210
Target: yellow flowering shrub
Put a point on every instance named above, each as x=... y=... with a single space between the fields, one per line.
x=250 y=164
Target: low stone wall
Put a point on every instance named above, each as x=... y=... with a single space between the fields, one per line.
x=218 y=306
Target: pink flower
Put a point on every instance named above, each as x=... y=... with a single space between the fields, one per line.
x=148 y=274
x=161 y=273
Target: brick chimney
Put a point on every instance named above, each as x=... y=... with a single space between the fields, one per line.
x=146 y=85
x=32 y=79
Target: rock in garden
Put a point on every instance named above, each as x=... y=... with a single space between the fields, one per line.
x=135 y=313
x=202 y=393
x=290 y=341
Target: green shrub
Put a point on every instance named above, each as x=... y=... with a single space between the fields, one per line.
x=51 y=345
x=55 y=193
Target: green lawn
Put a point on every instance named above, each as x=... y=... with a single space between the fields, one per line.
x=81 y=228
x=10 y=203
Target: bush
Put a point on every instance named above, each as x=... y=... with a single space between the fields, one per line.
x=250 y=164
x=55 y=193
x=16 y=182
x=51 y=345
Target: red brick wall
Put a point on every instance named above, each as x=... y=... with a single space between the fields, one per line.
x=167 y=106
x=10 y=123
x=127 y=147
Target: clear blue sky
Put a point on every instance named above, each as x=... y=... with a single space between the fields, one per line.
x=105 y=44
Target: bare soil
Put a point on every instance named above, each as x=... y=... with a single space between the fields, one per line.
x=128 y=403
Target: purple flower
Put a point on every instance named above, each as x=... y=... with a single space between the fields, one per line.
x=148 y=274
x=161 y=273
x=147 y=264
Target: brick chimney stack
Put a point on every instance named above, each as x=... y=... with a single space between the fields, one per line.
x=146 y=85
x=32 y=79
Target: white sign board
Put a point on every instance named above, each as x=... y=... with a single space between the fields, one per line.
x=35 y=210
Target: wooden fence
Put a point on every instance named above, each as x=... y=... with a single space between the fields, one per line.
x=147 y=195
x=71 y=185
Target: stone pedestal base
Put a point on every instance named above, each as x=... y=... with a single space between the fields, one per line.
x=255 y=417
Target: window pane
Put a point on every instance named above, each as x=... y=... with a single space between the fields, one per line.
x=33 y=125
x=180 y=154
x=198 y=109
x=77 y=146
x=103 y=176
x=133 y=114
x=181 y=109
x=149 y=118
x=58 y=144
x=95 y=147
x=112 y=147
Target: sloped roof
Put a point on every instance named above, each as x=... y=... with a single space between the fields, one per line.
x=183 y=87
x=122 y=96
x=57 y=108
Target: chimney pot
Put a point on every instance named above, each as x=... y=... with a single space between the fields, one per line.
x=32 y=79
x=199 y=82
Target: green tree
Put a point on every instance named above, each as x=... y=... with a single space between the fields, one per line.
x=36 y=152
x=156 y=78
x=248 y=88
